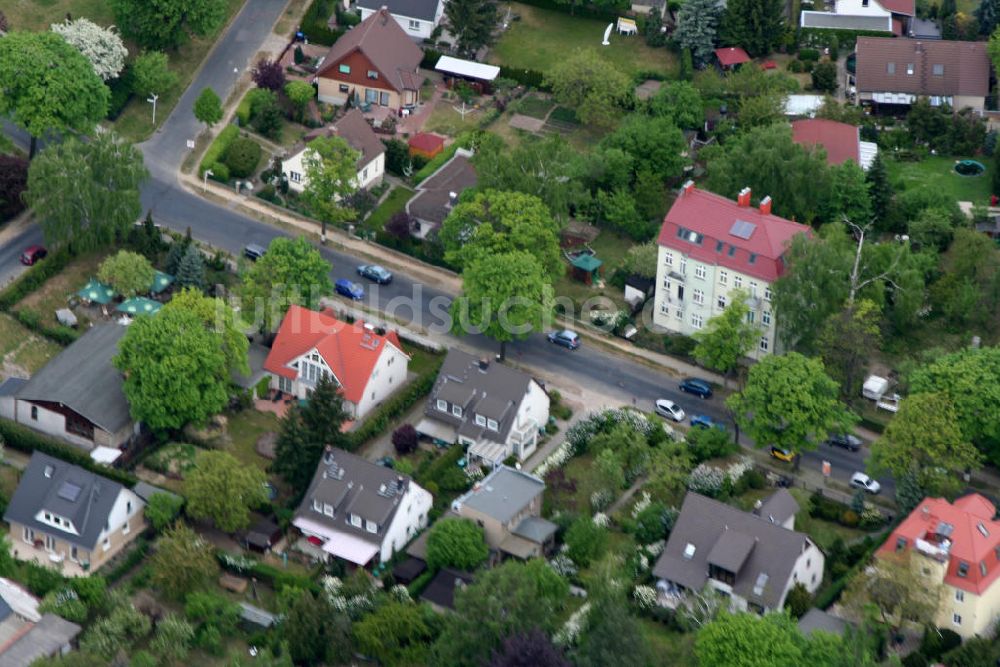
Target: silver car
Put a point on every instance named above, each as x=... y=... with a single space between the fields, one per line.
x=859 y=480
x=670 y=410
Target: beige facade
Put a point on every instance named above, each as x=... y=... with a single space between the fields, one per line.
x=495 y=531
x=332 y=91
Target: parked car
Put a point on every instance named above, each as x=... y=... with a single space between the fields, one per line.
x=566 y=338
x=375 y=273
x=704 y=421
x=785 y=455
x=696 y=386
x=353 y=291
x=845 y=440
x=670 y=410
x=33 y=254
x=253 y=252
x=859 y=480
x=387 y=462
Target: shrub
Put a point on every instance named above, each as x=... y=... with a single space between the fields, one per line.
x=121 y=93
x=798 y=601
x=268 y=74
x=399 y=225
x=938 y=641
x=458 y=543
x=806 y=55
x=242 y=157
x=849 y=518
x=314 y=23
x=162 y=509
x=131 y=559
x=795 y=66
x=218 y=147
x=710 y=443
x=220 y=172
x=585 y=541
x=25 y=440
x=405 y=439
x=34 y=278
x=396 y=406
x=431 y=57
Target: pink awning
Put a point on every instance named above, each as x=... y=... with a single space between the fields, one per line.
x=351 y=548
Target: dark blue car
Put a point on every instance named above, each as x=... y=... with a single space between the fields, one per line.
x=704 y=421
x=696 y=386
x=351 y=290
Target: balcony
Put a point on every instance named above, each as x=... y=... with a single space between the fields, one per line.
x=938 y=552
x=522 y=435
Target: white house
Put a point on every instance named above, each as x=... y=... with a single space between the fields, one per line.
x=355 y=130
x=495 y=410
x=890 y=16
x=367 y=365
x=417 y=18
x=358 y=510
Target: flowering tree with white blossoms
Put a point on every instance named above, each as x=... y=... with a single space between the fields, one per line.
x=101 y=46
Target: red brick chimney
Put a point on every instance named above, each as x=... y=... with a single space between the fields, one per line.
x=744 y=198
x=765 y=205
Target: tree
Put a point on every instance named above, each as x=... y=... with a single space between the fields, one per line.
x=880 y=191
x=988 y=16
x=756 y=25
x=655 y=144
x=292 y=271
x=315 y=631
x=129 y=273
x=850 y=196
x=612 y=636
x=13 y=184
x=307 y=430
x=748 y=640
x=396 y=633
x=162 y=509
x=654 y=31
x=400 y=225
x=697 y=23
x=528 y=649
x=846 y=342
x=899 y=593
x=591 y=86
x=760 y=110
x=585 y=541
x=208 y=107
x=512 y=598
x=173 y=638
x=101 y=46
x=268 y=74
x=405 y=439
x=504 y=296
x=331 y=175
x=182 y=562
x=789 y=402
x=472 y=23
x=824 y=77
x=162 y=25
x=150 y=74
x=86 y=193
x=457 y=543
x=300 y=94
x=116 y=632
x=641 y=260
x=175 y=369
x=218 y=318
x=681 y=102
x=727 y=337
x=798 y=601
x=49 y=86
x=496 y=222
x=223 y=490
x=191 y=270
x=609 y=470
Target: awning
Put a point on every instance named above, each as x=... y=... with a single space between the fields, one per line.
x=436 y=430
x=351 y=548
x=467 y=68
x=493 y=452
x=586 y=262
x=105 y=455
x=519 y=547
x=161 y=281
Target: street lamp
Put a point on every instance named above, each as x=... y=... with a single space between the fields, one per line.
x=152 y=100
x=204 y=186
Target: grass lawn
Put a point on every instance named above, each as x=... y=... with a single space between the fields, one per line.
x=55 y=293
x=38 y=15
x=543 y=37
x=445 y=120
x=422 y=361
x=581 y=480
x=174 y=457
x=938 y=172
x=611 y=248
x=9 y=477
x=244 y=428
x=823 y=533
x=391 y=205
x=534 y=106
x=22 y=348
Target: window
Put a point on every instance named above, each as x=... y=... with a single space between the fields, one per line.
x=764 y=344
x=344 y=88
x=697 y=321
x=738 y=282
x=50 y=543
x=28 y=535
x=74 y=554
x=963 y=569
x=723 y=277
x=372 y=74
x=34 y=413
x=328 y=509
x=956 y=619
x=699 y=271
x=126 y=529
x=720 y=303
x=456 y=410
x=765 y=318
x=371 y=526
x=937 y=70
x=317 y=506
x=383 y=99
x=909 y=69
x=414 y=25
x=344 y=69
x=982 y=567
x=666 y=285
x=959 y=596
x=683 y=266
x=665 y=308
x=864 y=3
x=371 y=96
x=698 y=296
x=128 y=507
x=719 y=245
x=480 y=420
x=442 y=405
x=814 y=578
x=753 y=289
x=668 y=258
x=890 y=68
x=295 y=177
x=364 y=174
x=107 y=543
x=679 y=314
x=492 y=425
x=355 y=520
x=48 y=517
x=732 y=251
x=752 y=258
x=900 y=544
x=767 y=293
x=750 y=316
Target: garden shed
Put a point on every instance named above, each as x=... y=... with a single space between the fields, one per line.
x=587 y=268
x=731 y=56
x=426 y=145
x=477 y=75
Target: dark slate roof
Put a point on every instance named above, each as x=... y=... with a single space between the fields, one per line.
x=817 y=619
x=432 y=201
x=535 y=529
x=5 y=610
x=491 y=389
x=414 y=9
x=778 y=507
x=409 y=569
x=11 y=386
x=502 y=494
x=355 y=130
x=146 y=491
x=386 y=46
x=44 y=639
x=92 y=496
x=441 y=589
x=831 y=20
x=83 y=379
x=721 y=533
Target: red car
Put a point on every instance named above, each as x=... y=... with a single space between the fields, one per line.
x=33 y=254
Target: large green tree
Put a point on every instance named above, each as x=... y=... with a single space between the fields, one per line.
x=162 y=24
x=679 y=101
x=756 y=25
x=851 y=194
x=292 y=271
x=316 y=632
x=612 y=636
x=129 y=273
x=151 y=74
x=456 y=542
x=331 y=174
x=86 y=193
x=182 y=562
x=222 y=489
x=727 y=337
x=219 y=318
x=749 y=640
x=846 y=343
x=591 y=86
x=472 y=22
x=654 y=143
x=397 y=633
x=790 y=402
x=697 y=25
x=307 y=430
x=46 y=85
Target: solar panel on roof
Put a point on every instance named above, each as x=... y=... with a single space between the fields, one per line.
x=758 y=587
x=742 y=229
x=69 y=491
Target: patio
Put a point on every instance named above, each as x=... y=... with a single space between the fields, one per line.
x=37 y=553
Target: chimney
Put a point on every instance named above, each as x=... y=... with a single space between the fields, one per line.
x=328 y=454
x=765 y=205
x=687 y=187
x=744 y=198
x=925 y=511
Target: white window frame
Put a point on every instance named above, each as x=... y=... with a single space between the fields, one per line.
x=697 y=321
x=106 y=544
x=480 y=420
x=723 y=277
x=413 y=25
x=764 y=345
x=720 y=302
x=699 y=271
x=295 y=177
x=317 y=506
x=28 y=535
x=765 y=318
x=959 y=595
x=371 y=526
x=737 y=282
x=956 y=619
x=328 y=509
x=698 y=296
x=50 y=544
x=442 y=405
x=668 y=258
x=492 y=424
x=751 y=316
x=767 y=293
x=355 y=520
x=456 y=410
x=753 y=289
x=683 y=266
x=664 y=308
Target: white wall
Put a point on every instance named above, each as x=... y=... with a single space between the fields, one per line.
x=388 y=375
x=808 y=570
x=415 y=28
x=119 y=515
x=370 y=174
x=534 y=407
x=50 y=423
x=410 y=519
x=7 y=407
x=857 y=8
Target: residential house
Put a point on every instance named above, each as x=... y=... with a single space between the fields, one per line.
x=957 y=546
x=374 y=62
x=898 y=71
x=507 y=505
x=360 y=511
x=438 y=193
x=27 y=635
x=355 y=130
x=746 y=557
x=711 y=247
x=841 y=141
x=417 y=18
x=77 y=396
x=367 y=365
x=64 y=516
x=495 y=410
x=889 y=16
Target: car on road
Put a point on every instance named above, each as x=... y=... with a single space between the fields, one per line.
x=845 y=441
x=859 y=480
x=704 y=421
x=566 y=338
x=670 y=410
x=696 y=386
x=33 y=254
x=253 y=252
x=785 y=455
x=375 y=273
x=353 y=291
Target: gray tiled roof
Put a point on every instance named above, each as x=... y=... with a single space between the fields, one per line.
x=11 y=386
x=44 y=639
x=414 y=9
x=536 y=529
x=431 y=203
x=441 y=589
x=778 y=507
x=94 y=497
x=83 y=379
x=704 y=523
x=503 y=493
x=817 y=619
x=830 y=20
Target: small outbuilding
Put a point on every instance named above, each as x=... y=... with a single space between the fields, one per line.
x=426 y=145
x=731 y=56
x=478 y=75
x=587 y=268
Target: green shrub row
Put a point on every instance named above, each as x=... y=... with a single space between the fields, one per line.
x=25 y=440
x=243 y=110
x=826 y=597
x=32 y=319
x=34 y=278
x=268 y=574
x=314 y=23
x=418 y=585
x=213 y=155
x=131 y=559
x=526 y=77
x=846 y=39
x=431 y=57
x=463 y=141
x=396 y=406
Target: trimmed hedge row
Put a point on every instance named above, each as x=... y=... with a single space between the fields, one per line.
x=33 y=320
x=314 y=23
x=591 y=11
x=133 y=558
x=825 y=598
x=213 y=156
x=526 y=77
x=463 y=141
x=25 y=440
x=34 y=278
x=268 y=574
x=396 y=406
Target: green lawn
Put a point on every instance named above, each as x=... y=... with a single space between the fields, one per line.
x=667 y=642
x=534 y=106
x=244 y=428
x=938 y=172
x=611 y=249
x=21 y=347
x=823 y=533
x=55 y=293
x=543 y=37
x=449 y=122
x=37 y=15
x=391 y=205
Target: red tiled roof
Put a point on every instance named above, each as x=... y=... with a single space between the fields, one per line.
x=350 y=350
x=713 y=217
x=907 y=7
x=969 y=544
x=841 y=141
x=425 y=141
x=731 y=55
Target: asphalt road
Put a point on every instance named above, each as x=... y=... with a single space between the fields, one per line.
x=602 y=372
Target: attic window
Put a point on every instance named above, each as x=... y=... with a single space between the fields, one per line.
x=355 y=520
x=909 y=69
x=732 y=251
x=753 y=258
x=480 y=420
x=982 y=529
x=442 y=405
x=317 y=506
x=963 y=569
x=328 y=509
x=758 y=587
x=900 y=543
x=719 y=245
x=456 y=410
x=689 y=551
x=371 y=526
x=48 y=472
x=372 y=74
x=491 y=424
x=937 y=69
x=890 y=68
x=344 y=69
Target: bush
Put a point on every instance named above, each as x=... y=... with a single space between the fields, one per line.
x=218 y=147
x=314 y=23
x=806 y=55
x=405 y=439
x=220 y=172
x=395 y=407
x=431 y=57
x=795 y=66
x=25 y=440
x=242 y=157
x=131 y=559
x=585 y=541
x=938 y=641
x=679 y=345
x=798 y=601
x=277 y=579
x=710 y=443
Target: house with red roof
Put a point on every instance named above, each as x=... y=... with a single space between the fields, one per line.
x=711 y=247
x=957 y=545
x=367 y=365
x=841 y=141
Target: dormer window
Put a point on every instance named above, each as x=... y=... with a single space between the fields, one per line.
x=372 y=74
x=371 y=526
x=900 y=543
x=355 y=520
x=491 y=424
x=456 y=410
x=480 y=420
x=328 y=509
x=890 y=68
x=909 y=69
x=317 y=506
x=963 y=569
x=344 y=69
x=442 y=405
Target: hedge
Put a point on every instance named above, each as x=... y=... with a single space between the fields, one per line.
x=314 y=23
x=34 y=278
x=396 y=406
x=434 y=164
x=132 y=558
x=845 y=38
x=218 y=148
x=431 y=57
x=591 y=11
x=526 y=77
x=268 y=574
x=60 y=334
x=831 y=593
x=25 y=440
